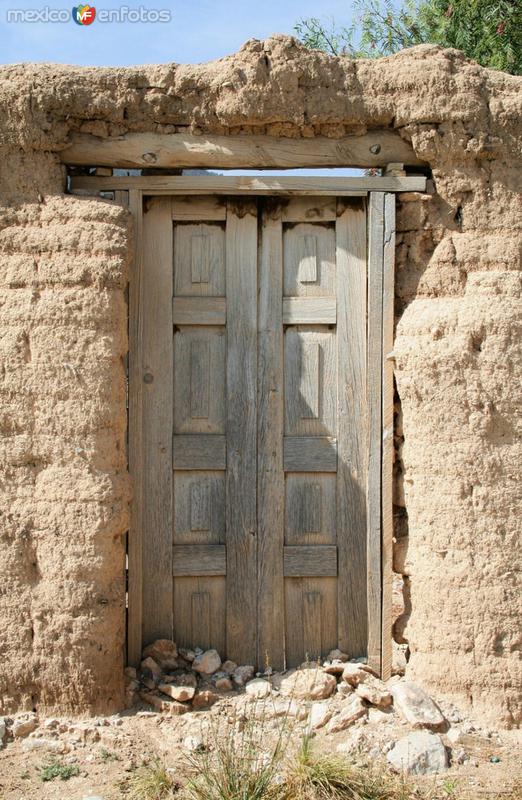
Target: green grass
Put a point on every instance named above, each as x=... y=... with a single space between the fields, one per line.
x=108 y=755
x=56 y=770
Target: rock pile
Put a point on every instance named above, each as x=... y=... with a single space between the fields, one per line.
x=329 y=697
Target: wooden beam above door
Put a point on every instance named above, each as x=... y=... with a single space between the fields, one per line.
x=183 y=150
x=203 y=185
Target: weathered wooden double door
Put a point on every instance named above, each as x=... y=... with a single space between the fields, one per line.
x=253 y=336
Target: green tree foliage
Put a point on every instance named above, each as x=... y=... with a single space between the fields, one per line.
x=488 y=31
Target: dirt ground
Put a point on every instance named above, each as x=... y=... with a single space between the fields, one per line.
x=109 y=752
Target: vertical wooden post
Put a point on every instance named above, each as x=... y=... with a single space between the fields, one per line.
x=241 y=481
x=135 y=563
x=375 y=328
x=387 y=430
x=271 y=479
x=154 y=376
x=352 y=434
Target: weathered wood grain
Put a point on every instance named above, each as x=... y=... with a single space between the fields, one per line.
x=352 y=421
x=136 y=444
x=373 y=149
x=241 y=282
x=199 y=559
x=157 y=405
x=309 y=310
x=199 y=310
x=194 y=208
x=310 y=561
x=374 y=497
x=270 y=477
x=199 y=451
x=387 y=433
x=310 y=454
x=312 y=187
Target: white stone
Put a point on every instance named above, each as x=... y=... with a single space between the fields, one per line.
x=454 y=735
x=344 y=689
x=23 y=726
x=193 y=744
x=258 y=688
x=243 y=674
x=180 y=693
x=320 y=714
x=308 y=684
x=3 y=730
x=416 y=706
x=379 y=716
x=352 y=710
x=207 y=662
x=419 y=753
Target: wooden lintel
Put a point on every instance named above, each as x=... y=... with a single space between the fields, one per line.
x=183 y=150
x=203 y=185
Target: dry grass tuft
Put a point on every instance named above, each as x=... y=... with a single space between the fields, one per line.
x=152 y=783
x=315 y=776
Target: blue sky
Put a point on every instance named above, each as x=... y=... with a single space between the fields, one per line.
x=199 y=30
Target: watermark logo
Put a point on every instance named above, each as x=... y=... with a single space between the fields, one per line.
x=84 y=15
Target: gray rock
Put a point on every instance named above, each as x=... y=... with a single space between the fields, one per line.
x=207 y=662
x=419 y=753
x=3 y=731
x=243 y=674
x=416 y=706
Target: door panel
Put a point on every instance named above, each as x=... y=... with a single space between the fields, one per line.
x=265 y=405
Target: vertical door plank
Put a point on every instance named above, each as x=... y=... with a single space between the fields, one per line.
x=387 y=431
x=157 y=392
x=135 y=563
x=241 y=500
x=375 y=332
x=271 y=487
x=352 y=428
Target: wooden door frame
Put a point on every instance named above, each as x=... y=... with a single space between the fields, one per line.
x=380 y=322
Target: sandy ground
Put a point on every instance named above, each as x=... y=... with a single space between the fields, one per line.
x=109 y=751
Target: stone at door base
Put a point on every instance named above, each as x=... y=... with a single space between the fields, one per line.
x=207 y=662
x=353 y=708
x=320 y=714
x=308 y=684
x=416 y=706
x=419 y=753
x=164 y=652
x=258 y=688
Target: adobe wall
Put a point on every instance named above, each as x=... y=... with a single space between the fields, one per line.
x=63 y=271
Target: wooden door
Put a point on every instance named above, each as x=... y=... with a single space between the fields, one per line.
x=254 y=426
